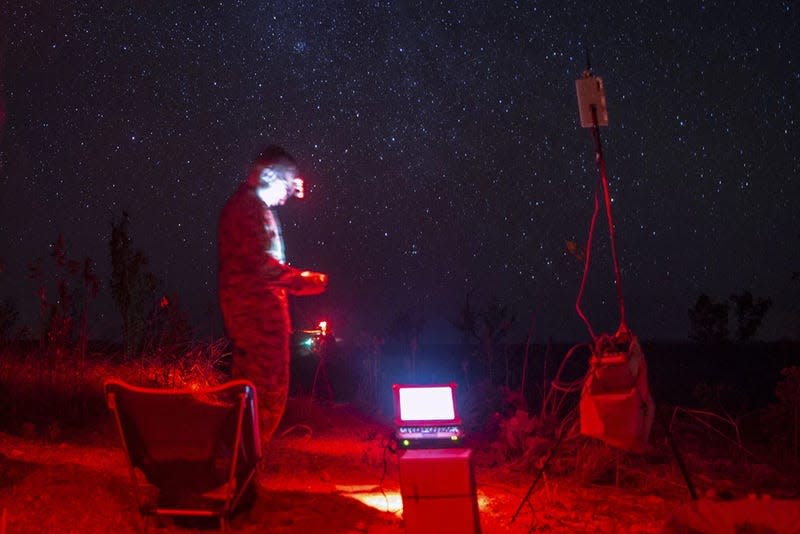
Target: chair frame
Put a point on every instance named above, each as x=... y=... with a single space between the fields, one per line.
x=232 y=494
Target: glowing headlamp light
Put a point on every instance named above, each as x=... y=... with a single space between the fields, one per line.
x=299 y=188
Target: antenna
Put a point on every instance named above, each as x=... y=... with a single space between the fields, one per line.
x=591 y=98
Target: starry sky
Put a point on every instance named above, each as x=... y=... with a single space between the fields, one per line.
x=441 y=147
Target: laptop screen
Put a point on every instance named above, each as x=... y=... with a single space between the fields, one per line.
x=430 y=404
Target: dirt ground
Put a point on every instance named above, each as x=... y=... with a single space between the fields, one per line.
x=328 y=470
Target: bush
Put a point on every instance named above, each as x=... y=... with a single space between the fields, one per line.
x=782 y=418
x=43 y=396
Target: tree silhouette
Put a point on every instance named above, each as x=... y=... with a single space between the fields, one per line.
x=8 y=318
x=405 y=331
x=708 y=321
x=488 y=325
x=132 y=287
x=749 y=314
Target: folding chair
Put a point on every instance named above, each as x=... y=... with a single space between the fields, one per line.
x=190 y=452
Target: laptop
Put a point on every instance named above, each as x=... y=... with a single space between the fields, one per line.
x=426 y=416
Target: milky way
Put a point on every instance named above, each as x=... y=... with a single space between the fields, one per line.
x=441 y=149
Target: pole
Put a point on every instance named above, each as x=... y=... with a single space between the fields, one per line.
x=601 y=169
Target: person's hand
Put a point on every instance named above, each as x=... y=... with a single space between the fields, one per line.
x=308 y=283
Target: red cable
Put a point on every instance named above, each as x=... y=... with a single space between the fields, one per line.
x=601 y=167
x=586 y=261
x=612 y=233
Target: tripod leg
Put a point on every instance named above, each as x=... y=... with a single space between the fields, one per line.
x=538 y=475
x=681 y=465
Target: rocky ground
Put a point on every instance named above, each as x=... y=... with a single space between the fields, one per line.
x=330 y=470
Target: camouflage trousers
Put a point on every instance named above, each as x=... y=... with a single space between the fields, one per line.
x=260 y=336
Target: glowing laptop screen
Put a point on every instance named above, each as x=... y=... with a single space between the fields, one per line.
x=425 y=403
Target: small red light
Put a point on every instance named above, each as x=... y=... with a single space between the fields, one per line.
x=323 y=326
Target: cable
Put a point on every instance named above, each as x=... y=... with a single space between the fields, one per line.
x=601 y=165
x=586 y=262
x=575 y=385
x=602 y=184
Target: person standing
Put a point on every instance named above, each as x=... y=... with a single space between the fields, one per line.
x=255 y=281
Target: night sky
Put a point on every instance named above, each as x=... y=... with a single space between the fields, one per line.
x=440 y=145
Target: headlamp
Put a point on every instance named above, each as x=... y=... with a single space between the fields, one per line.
x=299 y=188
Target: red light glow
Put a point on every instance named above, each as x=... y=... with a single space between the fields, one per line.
x=391 y=501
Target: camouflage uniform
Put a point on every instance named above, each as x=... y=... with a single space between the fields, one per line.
x=253 y=286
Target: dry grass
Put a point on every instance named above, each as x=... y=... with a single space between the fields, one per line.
x=323 y=463
x=44 y=394
x=326 y=462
